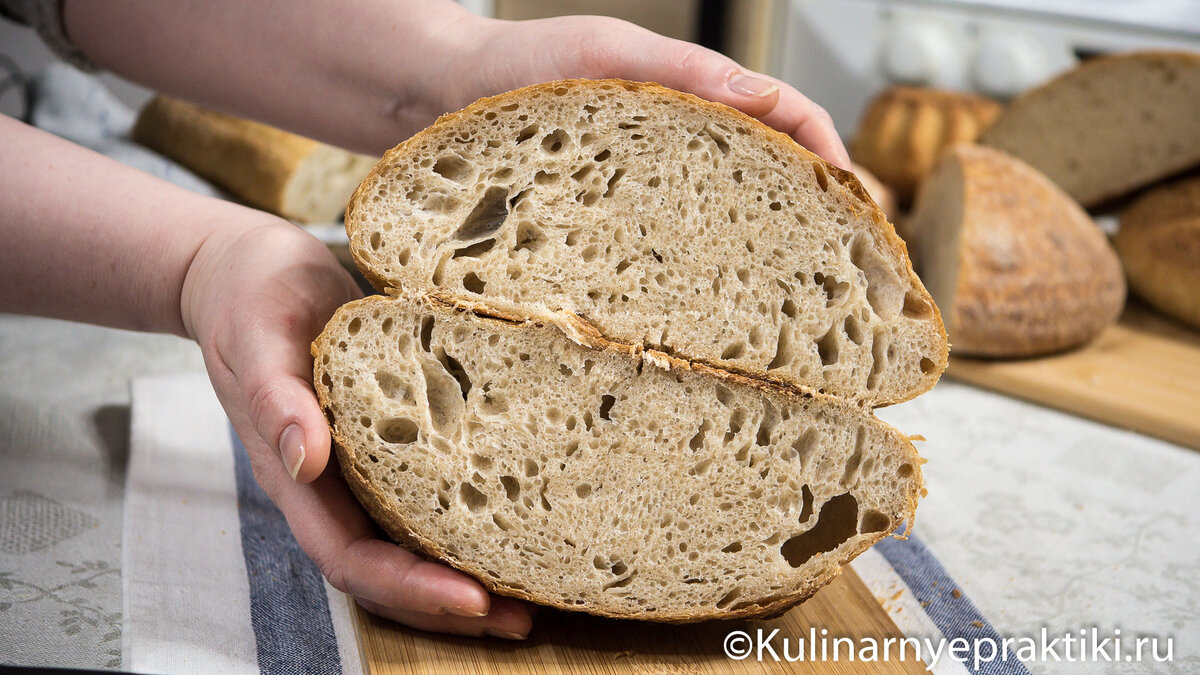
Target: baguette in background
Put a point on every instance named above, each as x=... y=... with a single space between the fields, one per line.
x=268 y=168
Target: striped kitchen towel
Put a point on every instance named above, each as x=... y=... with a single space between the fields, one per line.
x=215 y=582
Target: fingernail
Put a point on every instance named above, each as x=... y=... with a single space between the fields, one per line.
x=462 y=611
x=291 y=448
x=496 y=632
x=748 y=85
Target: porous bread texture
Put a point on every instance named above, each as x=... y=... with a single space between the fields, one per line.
x=1109 y=126
x=1159 y=245
x=610 y=481
x=1018 y=268
x=905 y=130
x=662 y=220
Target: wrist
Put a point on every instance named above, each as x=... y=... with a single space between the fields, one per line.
x=200 y=293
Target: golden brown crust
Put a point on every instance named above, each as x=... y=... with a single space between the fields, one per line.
x=252 y=161
x=1159 y=245
x=864 y=206
x=400 y=529
x=1036 y=275
x=905 y=130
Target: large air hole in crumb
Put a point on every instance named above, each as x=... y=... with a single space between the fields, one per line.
x=784 y=352
x=836 y=523
x=697 y=441
x=806 y=444
x=399 y=430
x=473 y=283
x=426 y=332
x=487 y=216
x=454 y=168
x=927 y=366
x=718 y=139
x=612 y=182
x=806 y=504
x=475 y=250
x=875 y=521
x=766 y=426
x=529 y=238
x=834 y=290
x=555 y=141
x=471 y=497
x=884 y=292
x=606 y=404
x=822 y=178
x=527 y=133
x=728 y=599
x=443 y=394
x=853 y=330
x=852 y=464
x=734 y=350
x=512 y=487
x=393 y=386
x=828 y=346
x=879 y=345
x=456 y=370
x=916 y=307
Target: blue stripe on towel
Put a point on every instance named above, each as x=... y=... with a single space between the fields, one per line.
x=945 y=603
x=288 y=606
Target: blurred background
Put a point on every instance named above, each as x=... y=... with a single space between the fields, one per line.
x=842 y=52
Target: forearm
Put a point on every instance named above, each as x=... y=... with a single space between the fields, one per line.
x=85 y=238
x=361 y=75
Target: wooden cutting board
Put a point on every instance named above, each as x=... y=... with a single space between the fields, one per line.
x=1141 y=374
x=564 y=642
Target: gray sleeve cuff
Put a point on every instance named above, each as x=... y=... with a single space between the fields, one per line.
x=46 y=17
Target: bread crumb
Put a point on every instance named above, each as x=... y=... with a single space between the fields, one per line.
x=956 y=593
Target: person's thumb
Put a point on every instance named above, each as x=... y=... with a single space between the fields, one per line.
x=284 y=411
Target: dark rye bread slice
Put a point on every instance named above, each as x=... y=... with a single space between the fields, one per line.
x=662 y=220
x=606 y=480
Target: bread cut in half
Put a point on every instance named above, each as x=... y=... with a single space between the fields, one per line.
x=272 y=169
x=613 y=481
x=905 y=130
x=1110 y=126
x=1159 y=245
x=661 y=220
x=1018 y=268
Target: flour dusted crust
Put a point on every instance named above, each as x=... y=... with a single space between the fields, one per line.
x=662 y=220
x=1018 y=267
x=1159 y=245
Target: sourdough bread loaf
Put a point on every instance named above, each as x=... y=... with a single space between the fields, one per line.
x=271 y=169
x=1159 y=245
x=1110 y=126
x=1018 y=268
x=905 y=130
x=654 y=218
x=607 y=479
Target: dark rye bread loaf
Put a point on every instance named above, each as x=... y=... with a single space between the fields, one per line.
x=662 y=220
x=604 y=479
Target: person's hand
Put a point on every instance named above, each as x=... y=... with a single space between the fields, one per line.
x=496 y=56
x=254 y=298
